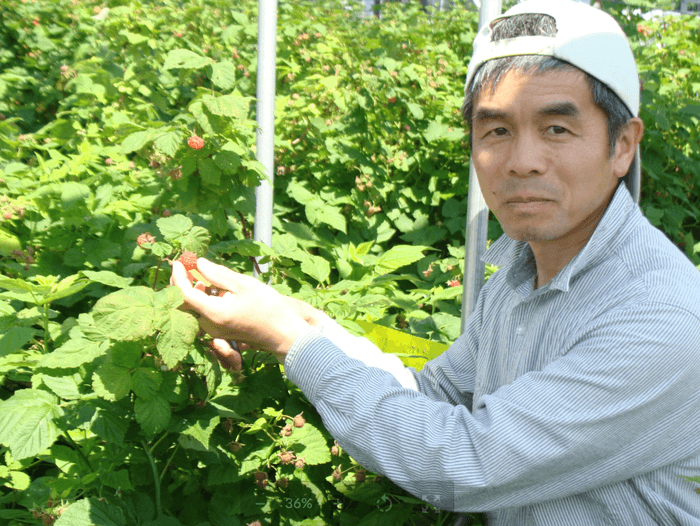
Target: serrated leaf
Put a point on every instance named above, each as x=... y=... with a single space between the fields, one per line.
x=210 y=173
x=173 y=387
x=91 y=512
x=316 y=267
x=27 y=422
x=153 y=415
x=223 y=74
x=65 y=387
x=184 y=58
x=15 y=338
x=111 y=382
x=136 y=141
x=109 y=421
x=319 y=212
x=74 y=353
x=169 y=142
x=227 y=105
x=117 y=479
x=126 y=314
x=174 y=226
x=178 y=330
x=146 y=382
x=398 y=257
x=126 y=354
x=196 y=435
x=309 y=444
x=415 y=110
x=108 y=278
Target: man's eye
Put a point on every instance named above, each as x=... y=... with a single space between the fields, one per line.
x=556 y=130
x=499 y=131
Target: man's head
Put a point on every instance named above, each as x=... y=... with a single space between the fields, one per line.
x=548 y=35
x=553 y=117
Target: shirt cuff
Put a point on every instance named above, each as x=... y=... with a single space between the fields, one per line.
x=308 y=358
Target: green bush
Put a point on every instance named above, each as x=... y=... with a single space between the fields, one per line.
x=139 y=120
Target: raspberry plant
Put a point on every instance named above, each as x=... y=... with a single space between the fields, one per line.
x=126 y=140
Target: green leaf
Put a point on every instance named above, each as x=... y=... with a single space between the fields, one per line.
x=15 y=338
x=309 y=444
x=91 y=512
x=126 y=354
x=74 y=353
x=111 y=382
x=136 y=141
x=108 y=278
x=319 y=212
x=316 y=267
x=397 y=257
x=415 y=110
x=223 y=74
x=178 y=330
x=227 y=105
x=66 y=387
x=169 y=142
x=8 y=242
x=210 y=172
x=184 y=58
x=146 y=382
x=126 y=314
x=153 y=415
x=117 y=479
x=174 y=227
x=27 y=422
x=196 y=435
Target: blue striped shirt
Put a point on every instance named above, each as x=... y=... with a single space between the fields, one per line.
x=573 y=404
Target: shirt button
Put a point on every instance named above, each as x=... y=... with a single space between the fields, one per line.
x=520 y=330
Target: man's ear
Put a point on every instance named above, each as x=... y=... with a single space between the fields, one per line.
x=626 y=146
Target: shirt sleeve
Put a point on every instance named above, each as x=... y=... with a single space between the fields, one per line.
x=621 y=401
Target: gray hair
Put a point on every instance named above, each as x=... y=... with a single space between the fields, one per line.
x=491 y=73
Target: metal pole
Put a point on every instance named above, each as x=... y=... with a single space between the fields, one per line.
x=265 y=138
x=477 y=212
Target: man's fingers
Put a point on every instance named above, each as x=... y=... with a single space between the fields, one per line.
x=195 y=298
x=218 y=275
x=227 y=355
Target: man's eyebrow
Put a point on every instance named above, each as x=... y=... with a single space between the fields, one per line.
x=484 y=115
x=561 y=109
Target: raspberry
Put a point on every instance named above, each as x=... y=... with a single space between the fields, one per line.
x=337 y=474
x=335 y=451
x=299 y=464
x=189 y=260
x=299 y=420
x=360 y=476
x=287 y=431
x=454 y=283
x=146 y=237
x=282 y=482
x=195 y=142
x=286 y=457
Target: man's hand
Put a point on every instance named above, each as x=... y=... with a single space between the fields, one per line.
x=251 y=312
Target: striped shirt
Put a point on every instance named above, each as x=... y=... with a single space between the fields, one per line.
x=577 y=403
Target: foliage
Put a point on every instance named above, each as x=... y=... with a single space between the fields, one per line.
x=139 y=119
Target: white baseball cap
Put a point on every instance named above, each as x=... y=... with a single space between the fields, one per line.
x=586 y=37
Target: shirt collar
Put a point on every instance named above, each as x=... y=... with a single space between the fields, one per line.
x=617 y=221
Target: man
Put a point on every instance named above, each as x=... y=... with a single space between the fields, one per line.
x=572 y=397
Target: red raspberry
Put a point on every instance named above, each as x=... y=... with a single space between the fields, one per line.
x=195 y=142
x=189 y=260
x=146 y=237
x=299 y=420
x=454 y=283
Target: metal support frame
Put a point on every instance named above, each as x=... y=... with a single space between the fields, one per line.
x=265 y=114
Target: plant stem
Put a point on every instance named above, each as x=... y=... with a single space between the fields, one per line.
x=162 y=473
x=46 y=328
x=156 y=478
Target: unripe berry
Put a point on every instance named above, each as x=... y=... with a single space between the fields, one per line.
x=144 y=238
x=286 y=457
x=299 y=464
x=360 y=475
x=299 y=420
x=287 y=431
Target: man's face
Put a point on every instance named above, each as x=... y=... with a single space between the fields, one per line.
x=540 y=150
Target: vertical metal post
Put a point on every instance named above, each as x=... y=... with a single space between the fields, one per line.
x=265 y=138
x=477 y=212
